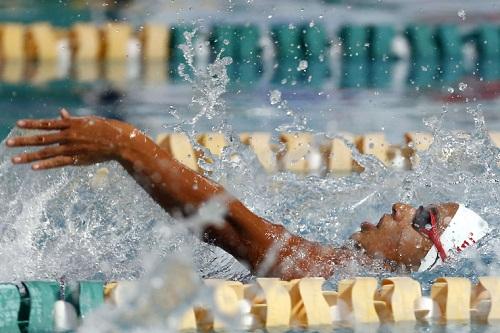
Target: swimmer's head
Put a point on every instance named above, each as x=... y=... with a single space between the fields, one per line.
x=414 y=237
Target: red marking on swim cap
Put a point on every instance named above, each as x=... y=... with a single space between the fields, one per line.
x=433 y=236
x=471 y=238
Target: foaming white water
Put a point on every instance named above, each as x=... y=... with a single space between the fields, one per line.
x=155 y=303
x=56 y=224
x=64 y=223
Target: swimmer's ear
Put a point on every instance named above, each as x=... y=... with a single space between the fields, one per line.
x=64 y=114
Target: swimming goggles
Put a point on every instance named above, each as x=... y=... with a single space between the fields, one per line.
x=425 y=222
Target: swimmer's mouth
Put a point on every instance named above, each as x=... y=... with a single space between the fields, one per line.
x=357 y=246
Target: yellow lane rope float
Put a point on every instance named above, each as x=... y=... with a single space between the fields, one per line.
x=303 y=154
x=264 y=303
x=272 y=303
x=12 y=40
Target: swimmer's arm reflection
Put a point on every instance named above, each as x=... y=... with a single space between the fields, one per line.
x=269 y=249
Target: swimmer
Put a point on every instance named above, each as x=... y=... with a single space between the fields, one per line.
x=409 y=238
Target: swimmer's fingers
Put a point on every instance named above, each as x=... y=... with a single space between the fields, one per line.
x=36 y=140
x=55 y=162
x=46 y=153
x=45 y=124
x=64 y=114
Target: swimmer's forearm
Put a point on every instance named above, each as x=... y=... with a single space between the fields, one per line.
x=174 y=186
x=181 y=191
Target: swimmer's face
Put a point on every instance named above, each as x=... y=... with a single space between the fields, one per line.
x=395 y=239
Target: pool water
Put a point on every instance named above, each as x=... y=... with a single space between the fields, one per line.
x=394 y=109
x=61 y=224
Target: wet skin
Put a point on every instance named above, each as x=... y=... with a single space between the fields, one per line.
x=268 y=249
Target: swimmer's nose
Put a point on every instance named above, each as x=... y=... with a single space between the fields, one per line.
x=397 y=210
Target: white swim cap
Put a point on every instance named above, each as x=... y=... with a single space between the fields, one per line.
x=464 y=230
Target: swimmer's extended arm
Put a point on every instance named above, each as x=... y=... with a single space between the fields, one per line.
x=268 y=248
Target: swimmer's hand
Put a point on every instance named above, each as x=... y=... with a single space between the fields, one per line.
x=71 y=141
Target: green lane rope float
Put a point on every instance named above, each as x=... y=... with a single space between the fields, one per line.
x=317 y=73
x=37 y=307
x=422 y=42
x=423 y=73
x=450 y=72
x=286 y=39
x=315 y=42
x=289 y=53
x=249 y=50
x=449 y=42
x=302 y=53
x=316 y=51
x=489 y=69
x=380 y=39
x=354 y=42
x=248 y=55
x=380 y=74
x=222 y=40
x=353 y=73
x=241 y=43
x=85 y=296
x=10 y=303
x=487 y=41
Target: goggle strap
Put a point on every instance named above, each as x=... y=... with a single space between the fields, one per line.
x=433 y=236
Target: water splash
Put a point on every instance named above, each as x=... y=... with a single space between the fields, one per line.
x=144 y=305
x=59 y=222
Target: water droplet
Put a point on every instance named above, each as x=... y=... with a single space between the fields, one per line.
x=133 y=134
x=275 y=97
x=303 y=64
x=462 y=86
x=461 y=13
x=451 y=90
x=424 y=68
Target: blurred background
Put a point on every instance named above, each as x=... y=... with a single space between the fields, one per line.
x=346 y=66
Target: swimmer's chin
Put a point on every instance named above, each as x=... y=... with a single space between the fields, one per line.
x=355 y=238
